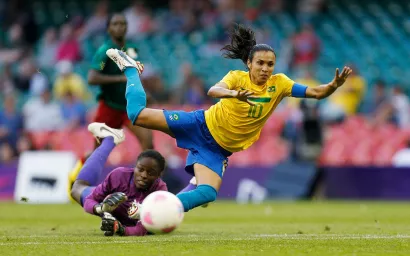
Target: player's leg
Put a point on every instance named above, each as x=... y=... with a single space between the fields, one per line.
x=104 y=114
x=207 y=163
x=136 y=97
x=191 y=186
x=206 y=190
x=143 y=135
x=93 y=167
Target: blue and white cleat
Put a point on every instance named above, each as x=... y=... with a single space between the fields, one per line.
x=124 y=61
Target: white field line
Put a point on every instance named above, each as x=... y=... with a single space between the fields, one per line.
x=193 y=238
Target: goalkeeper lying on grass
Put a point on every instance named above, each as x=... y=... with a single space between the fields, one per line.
x=117 y=199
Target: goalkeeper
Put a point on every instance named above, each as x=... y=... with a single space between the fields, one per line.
x=117 y=199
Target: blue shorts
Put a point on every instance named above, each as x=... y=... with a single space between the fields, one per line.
x=191 y=132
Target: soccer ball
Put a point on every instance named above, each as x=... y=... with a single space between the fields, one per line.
x=161 y=212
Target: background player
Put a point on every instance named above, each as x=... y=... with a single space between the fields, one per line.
x=231 y=125
x=104 y=73
x=122 y=190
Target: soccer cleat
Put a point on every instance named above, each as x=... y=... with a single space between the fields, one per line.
x=124 y=61
x=101 y=130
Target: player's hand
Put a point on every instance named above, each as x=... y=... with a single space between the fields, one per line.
x=245 y=96
x=111 y=226
x=135 y=210
x=340 y=79
x=111 y=202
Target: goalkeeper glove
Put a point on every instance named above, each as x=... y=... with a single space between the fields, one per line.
x=111 y=202
x=134 y=210
x=110 y=225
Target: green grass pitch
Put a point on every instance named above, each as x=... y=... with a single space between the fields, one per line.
x=224 y=228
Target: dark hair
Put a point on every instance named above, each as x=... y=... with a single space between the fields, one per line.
x=154 y=155
x=243 y=44
x=107 y=25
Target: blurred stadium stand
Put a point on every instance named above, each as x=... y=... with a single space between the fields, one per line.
x=371 y=35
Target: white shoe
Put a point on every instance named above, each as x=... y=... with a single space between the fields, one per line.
x=123 y=61
x=101 y=130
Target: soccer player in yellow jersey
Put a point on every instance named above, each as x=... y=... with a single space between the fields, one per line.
x=233 y=124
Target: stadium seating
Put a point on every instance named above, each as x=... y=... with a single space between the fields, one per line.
x=366 y=33
x=366 y=145
x=369 y=34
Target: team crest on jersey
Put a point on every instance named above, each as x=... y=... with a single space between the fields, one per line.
x=102 y=65
x=272 y=88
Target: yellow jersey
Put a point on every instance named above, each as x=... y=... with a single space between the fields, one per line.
x=235 y=125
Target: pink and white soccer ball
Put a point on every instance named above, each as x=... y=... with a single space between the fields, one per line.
x=161 y=212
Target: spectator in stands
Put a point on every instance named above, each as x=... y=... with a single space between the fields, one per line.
x=206 y=13
x=68 y=48
x=178 y=19
x=41 y=113
x=378 y=106
x=306 y=48
x=195 y=93
x=73 y=110
x=6 y=153
x=96 y=24
x=14 y=45
x=401 y=107
x=30 y=79
x=11 y=122
x=154 y=85
x=271 y=7
x=69 y=82
x=345 y=102
x=191 y=89
x=7 y=80
x=26 y=19
x=378 y=99
x=24 y=144
x=308 y=9
x=15 y=36
x=139 y=20
x=48 y=49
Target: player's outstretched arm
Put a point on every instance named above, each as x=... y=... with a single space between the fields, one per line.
x=326 y=90
x=220 y=91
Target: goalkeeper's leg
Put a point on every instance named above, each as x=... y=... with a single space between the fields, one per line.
x=93 y=167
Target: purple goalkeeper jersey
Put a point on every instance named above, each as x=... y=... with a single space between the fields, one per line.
x=122 y=180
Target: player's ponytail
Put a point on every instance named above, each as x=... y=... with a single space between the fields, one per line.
x=243 y=44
